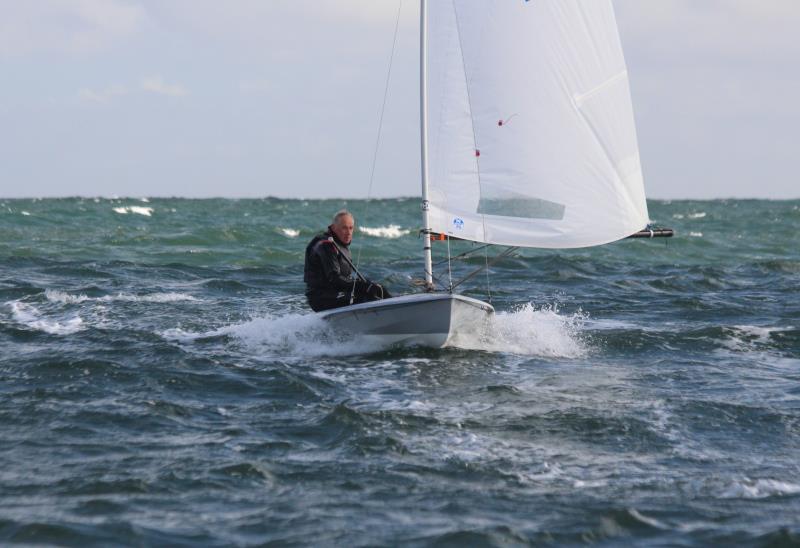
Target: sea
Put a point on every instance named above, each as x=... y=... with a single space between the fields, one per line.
x=163 y=383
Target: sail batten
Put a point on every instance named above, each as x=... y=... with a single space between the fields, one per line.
x=531 y=133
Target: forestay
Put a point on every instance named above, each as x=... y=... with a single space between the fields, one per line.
x=531 y=136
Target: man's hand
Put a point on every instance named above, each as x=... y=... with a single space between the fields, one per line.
x=376 y=291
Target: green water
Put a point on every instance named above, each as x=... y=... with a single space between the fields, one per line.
x=163 y=382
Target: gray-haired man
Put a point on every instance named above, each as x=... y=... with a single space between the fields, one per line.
x=329 y=276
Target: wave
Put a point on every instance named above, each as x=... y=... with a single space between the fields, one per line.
x=56 y=296
x=759 y=489
x=679 y=216
x=391 y=231
x=29 y=316
x=529 y=331
x=525 y=331
x=749 y=337
x=289 y=232
x=304 y=335
x=140 y=210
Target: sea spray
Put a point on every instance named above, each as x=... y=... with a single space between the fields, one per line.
x=290 y=335
x=530 y=331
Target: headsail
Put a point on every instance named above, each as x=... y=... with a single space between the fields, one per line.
x=531 y=136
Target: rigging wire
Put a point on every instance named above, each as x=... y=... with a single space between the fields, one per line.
x=463 y=255
x=469 y=276
x=380 y=122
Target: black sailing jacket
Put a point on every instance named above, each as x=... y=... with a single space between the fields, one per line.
x=327 y=273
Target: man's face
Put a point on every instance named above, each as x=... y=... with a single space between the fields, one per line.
x=343 y=228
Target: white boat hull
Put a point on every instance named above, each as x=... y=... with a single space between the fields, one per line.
x=426 y=319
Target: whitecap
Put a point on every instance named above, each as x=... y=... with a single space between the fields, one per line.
x=745 y=337
x=29 y=316
x=146 y=211
x=391 y=231
x=152 y=298
x=759 y=489
x=290 y=232
x=145 y=200
x=56 y=296
x=677 y=216
x=25 y=213
x=696 y=234
x=697 y=215
x=762 y=334
x=589 y=484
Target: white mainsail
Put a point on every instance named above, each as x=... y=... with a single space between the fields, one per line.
x=531 y=136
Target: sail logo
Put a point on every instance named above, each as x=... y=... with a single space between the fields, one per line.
x=458 y=223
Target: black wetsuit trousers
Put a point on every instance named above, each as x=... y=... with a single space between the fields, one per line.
x=319 y=301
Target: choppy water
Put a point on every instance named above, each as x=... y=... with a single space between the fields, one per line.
x=161 y=382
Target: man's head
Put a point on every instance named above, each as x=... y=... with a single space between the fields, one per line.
x=343 y=226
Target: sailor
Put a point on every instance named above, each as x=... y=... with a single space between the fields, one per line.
x=329 y=271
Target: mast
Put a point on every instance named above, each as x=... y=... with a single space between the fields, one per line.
x=423 y=114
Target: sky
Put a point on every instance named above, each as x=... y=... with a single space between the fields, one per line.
x=252 y=98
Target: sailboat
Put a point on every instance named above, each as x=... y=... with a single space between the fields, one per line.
x=527 y=140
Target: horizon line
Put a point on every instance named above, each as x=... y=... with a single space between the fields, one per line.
x=336 y=198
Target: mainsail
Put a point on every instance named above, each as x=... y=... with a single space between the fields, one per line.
x=531 y=138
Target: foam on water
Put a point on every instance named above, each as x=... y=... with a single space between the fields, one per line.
x=525 y=331
x=391 y=231
x=29 y=316
x=288 y=335
x=56 y=296
x=743 y=338
x=139 y=210
x=759 y=489
x=290 y=232
x=529 y=331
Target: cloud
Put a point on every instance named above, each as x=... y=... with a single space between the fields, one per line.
x=71 y=26
x=155 y=84
x=152 y=84
x=102 y=96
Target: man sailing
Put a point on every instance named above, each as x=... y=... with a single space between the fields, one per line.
x=329 y=270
